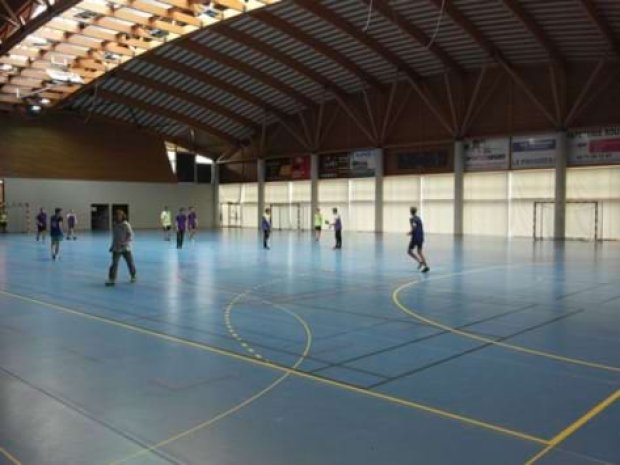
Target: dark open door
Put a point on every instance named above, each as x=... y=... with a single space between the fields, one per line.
x=100 y=217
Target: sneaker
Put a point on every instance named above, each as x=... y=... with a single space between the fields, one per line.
x=426 y=269
x=109 y=283
x=133 y=279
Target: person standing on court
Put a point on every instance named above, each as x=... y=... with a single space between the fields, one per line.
x=181 y=226
x=417 y=240
x=266 y=227
x=41 y=220
x=337 y=225
x=4 y=219
x=56 y=232
x=318 y=224
x=192 y=223
x=71 y=224
x=122 y=236
x=165 y=218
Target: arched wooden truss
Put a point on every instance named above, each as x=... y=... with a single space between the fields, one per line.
x=221 y=73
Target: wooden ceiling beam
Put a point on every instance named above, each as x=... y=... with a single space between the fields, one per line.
x=188 y=97
x=460 y=20
x=248 y=70
x=133 y=102
x=494 y=54
x=416 y=34
x=601 y=25
x=270 y=51
x=277 y=23
x=224 y=86
x=337 y=22
x=534 y=29
x=400 y=65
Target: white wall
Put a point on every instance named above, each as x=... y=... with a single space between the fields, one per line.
x=145 y=200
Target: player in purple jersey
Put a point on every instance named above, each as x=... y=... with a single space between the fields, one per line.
x=41 y=220
x=56 y=232
x=71 y=224
x=417 y=240
x=192 y=223
x=181 y=226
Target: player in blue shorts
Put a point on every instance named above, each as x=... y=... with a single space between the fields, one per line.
x=417 y=240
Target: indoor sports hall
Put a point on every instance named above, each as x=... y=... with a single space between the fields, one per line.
x=309 y=232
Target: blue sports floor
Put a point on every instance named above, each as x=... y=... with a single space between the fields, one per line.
x=507 y=352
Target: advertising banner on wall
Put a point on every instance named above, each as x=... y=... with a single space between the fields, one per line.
x=363 y=163
x=336 y=165
x=534 y=151
x=358 y=164
x=594 y=147
x=486 y=154
x=420 y=161
x=287 y=169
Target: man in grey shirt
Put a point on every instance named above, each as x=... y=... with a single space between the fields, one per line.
x=122 y=235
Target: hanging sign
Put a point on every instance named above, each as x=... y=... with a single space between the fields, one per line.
x=357 y=164
x=534 y=151
x=363 y=163
x=595 y=147
x=287 y=169
x=486 y=154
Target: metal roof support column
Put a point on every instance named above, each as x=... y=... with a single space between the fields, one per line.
x=559 y=212
x=261 y=169
x=459 y=175
x=314 y=186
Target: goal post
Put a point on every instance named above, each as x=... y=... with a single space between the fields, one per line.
x=19 y=217
x=582 y=220
x=289 y=216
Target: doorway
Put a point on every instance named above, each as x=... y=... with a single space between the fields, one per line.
x=99 y=217
x=231 y=215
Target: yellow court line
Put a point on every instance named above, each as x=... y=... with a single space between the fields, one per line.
x=237 y=407
x=573 y=427
x=293 y=372
x=12 y=459
x=486 y=340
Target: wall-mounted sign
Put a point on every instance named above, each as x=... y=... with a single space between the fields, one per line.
x=358 y=164
x=486 y=154
x=336 y=165
x=287 y=169
x=534 y=151
x=423 y=160
x=595 y=147
x=363 y=163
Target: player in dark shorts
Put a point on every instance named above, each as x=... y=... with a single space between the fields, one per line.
x=417 y=240
x=41 y=224
x=192 y=223
x=71 y=224
x=337 y=225
x=181 y=226
x=56 y=232
x=266 y=227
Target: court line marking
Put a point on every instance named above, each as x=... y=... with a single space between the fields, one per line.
x=235 y=408
x=576 y=425
x=437 y=324
x=294 y=372
x=12 y=459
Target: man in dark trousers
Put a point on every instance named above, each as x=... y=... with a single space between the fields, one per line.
x=417 y=240
x=266 y=227
x=337 y=225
